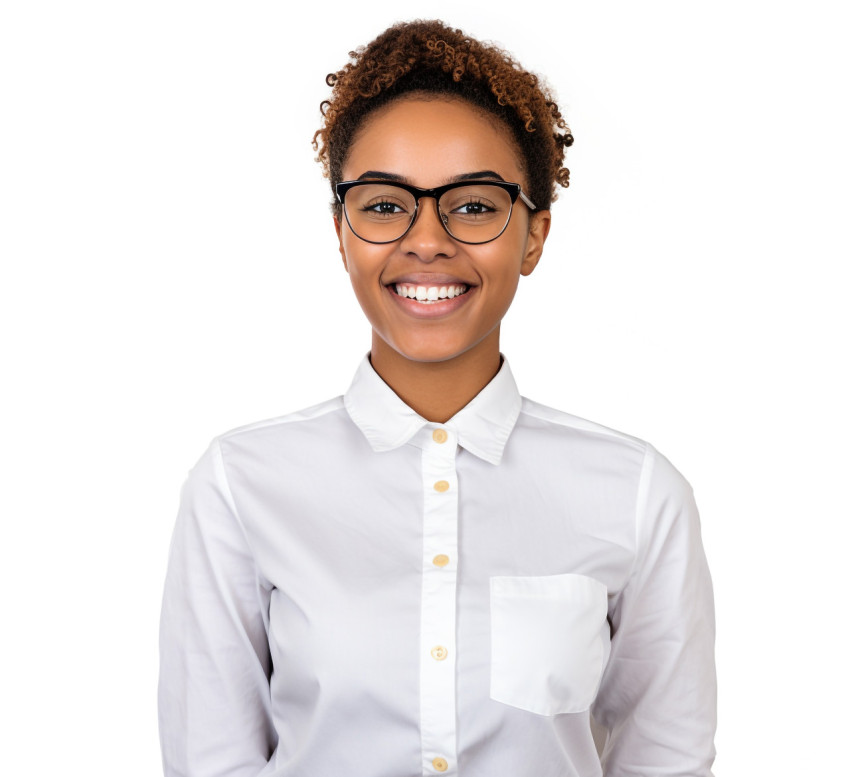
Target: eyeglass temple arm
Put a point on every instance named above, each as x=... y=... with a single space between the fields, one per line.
x=528 y=202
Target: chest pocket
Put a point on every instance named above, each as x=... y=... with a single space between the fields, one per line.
x=550 y=641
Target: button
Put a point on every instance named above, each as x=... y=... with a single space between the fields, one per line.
x=441 y=560
x=439 y=653
x=440 y=764
x=440 y=435
x=441 y=485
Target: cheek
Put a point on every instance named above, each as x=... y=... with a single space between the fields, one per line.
x=356 y=254
x=502 y=263
x=365 y=264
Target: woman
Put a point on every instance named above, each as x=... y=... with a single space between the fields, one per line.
x=431 y=574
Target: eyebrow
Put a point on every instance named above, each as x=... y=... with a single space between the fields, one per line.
x=371 y=175
x=478 y=176
x=378 y=175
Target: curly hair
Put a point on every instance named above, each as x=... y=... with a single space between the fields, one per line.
x=429 y=56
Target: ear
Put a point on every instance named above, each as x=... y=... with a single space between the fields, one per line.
x=538 y=231
x=338 y=228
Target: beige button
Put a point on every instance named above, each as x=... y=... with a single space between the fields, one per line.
x=441 y=485
x=439 y=653
x=441 y=560
x=440 y=764
x=440 y=435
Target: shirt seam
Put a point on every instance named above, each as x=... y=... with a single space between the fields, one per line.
x=326 y=407
x=600 y=431
x=641 y=502
x=224 y=484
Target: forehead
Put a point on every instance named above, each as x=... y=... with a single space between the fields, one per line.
x=430 y=140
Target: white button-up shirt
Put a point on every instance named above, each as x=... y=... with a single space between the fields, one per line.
x=356 y=592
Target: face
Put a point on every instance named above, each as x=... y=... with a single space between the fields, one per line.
x=427 y=143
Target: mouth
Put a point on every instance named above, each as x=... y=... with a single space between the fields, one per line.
x=429 y=295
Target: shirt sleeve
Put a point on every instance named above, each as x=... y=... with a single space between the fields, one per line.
x=658 y=697
x=214 y=701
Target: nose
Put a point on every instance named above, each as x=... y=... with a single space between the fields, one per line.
x=427 y=238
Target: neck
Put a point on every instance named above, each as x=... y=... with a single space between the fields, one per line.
x=438 y=390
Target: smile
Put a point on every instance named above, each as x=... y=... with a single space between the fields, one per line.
x=430 y=294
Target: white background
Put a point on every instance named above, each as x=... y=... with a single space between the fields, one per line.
x=169 y=271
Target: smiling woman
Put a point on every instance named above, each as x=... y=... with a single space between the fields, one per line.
x=436 y=143
x=467 y=581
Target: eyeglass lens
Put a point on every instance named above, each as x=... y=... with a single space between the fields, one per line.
x=382 y=212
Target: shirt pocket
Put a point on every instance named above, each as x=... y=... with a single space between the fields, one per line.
x=550 y=641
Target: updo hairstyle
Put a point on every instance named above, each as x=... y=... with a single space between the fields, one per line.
x=430 y=57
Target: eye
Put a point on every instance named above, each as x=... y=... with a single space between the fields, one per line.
x=383 y=208
x=378 y=203
x=473 y=208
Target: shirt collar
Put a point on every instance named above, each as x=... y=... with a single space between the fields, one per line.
x=482 y=427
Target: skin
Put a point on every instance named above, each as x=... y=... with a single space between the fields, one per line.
x=438 y=359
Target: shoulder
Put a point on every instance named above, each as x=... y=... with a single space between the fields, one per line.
x=603 y=448
x=293 y=435
x=310 y=414
x=570 y=425
x=295 y=427
x=585 y=442
x=258 y=453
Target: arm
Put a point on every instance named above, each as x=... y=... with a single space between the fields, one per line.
x=657 y=700
x=214 y=704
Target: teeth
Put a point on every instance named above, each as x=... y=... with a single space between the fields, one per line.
x=428 y=294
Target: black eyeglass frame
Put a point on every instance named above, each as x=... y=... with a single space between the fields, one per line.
x=513 y=189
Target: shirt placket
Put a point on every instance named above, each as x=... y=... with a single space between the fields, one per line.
x=439 y=594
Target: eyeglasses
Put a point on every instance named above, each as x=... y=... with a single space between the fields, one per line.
x=470 y=211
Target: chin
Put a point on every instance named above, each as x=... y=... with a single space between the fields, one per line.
x=430 y=352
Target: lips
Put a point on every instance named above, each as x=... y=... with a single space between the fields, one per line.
x=429 y=294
